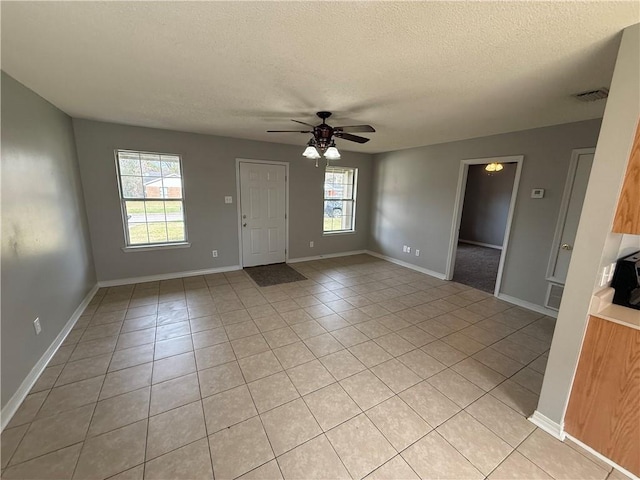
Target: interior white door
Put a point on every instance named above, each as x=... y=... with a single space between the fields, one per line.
x=263 y=208
x=568 y=228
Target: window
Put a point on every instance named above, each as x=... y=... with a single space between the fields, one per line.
x=152 y=197
x=340 y=199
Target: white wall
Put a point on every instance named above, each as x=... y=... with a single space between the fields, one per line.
x=628 y=245
x=595 y=245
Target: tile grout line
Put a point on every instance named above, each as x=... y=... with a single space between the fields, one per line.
x=95 y=406
x=260 y=418
x=40 y=408
x=318 y=358
x=146 y=438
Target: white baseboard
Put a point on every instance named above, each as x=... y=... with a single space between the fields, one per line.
x=480 y=244
x=548 y=425
x=166 y=276
x=328 y=255
x=598 y=455
x=439 y=275
x=16 y=400
x=528 y=305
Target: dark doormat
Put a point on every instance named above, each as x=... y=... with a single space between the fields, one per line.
x=268 y=275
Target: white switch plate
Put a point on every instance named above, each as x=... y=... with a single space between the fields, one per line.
x=228 y=199
x=537 y=193
x=408 y=249
x=37 y=326
x=214 y=253
x=311 y=244
x=404 y=249
x=612 y=269
x=604 y=277
x=417 y=252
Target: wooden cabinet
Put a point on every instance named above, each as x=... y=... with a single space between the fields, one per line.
x=604 y=407
x=627 y=219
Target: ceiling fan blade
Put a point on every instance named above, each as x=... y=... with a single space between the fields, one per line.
x=303 y=123
x=289 y=131
x=352 y=138
x=356 y=128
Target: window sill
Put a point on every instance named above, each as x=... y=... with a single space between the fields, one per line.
x=148 y=248
x=346 y=232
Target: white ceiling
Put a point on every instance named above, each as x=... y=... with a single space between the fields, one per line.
x=419 y=72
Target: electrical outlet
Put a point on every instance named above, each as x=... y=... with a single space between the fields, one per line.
x=214 y=253
x=604 y=277
x=408 y=249
x=417 y=252
x=311 y=244
x=612 y=269
x=36 y=325
x=228 y=199
x=404 y=249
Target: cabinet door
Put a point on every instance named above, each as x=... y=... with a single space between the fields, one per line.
x=627 y=219
x=603 y=409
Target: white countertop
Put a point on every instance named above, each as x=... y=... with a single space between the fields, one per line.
x=602 y=307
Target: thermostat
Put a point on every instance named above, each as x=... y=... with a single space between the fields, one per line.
x=537 y=193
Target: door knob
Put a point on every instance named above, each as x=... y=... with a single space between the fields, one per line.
x=244 y=224
x=566 y=246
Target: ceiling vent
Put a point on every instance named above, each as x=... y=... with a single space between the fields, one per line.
x=592 y=95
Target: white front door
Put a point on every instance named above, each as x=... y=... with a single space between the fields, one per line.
x=575 y=191
x=262 y=212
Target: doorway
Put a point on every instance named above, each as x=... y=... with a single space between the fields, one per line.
x=483 y=212
x=262 y=211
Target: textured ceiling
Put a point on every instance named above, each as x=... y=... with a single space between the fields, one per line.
x=420 y=72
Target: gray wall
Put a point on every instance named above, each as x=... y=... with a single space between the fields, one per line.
x=47 y=268
x=209 y=169
x=414 y=193
x=486 y=204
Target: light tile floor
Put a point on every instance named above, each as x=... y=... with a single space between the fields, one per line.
x=366 y=369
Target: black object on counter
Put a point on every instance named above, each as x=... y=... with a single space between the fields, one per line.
x=626 y=281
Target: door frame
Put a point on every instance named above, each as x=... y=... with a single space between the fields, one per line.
x=564 y=208
x=459 y=203
x=239 y=204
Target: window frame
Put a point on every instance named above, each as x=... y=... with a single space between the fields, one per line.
x=128 y=246
x=353 y=199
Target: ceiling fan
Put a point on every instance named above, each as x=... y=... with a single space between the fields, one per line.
x=323 y=136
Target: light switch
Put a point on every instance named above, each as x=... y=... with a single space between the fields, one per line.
x=537 y=193
x=228 y=199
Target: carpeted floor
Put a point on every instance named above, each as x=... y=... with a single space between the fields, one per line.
x=268 y=275
x=477 y=266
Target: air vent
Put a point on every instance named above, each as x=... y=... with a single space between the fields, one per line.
x=554 y=296
x=592 y=95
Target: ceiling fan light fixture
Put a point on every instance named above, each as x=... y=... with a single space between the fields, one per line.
x=322 y=142
x=332 y=152
x=493 y=167
x=311 y=151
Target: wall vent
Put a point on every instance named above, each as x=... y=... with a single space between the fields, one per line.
x=554 y=296
x=592 y=95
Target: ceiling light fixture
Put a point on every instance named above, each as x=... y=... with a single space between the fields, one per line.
x=493 y=167
x=311 y=151
x=330 y=152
